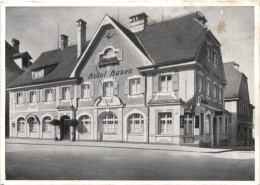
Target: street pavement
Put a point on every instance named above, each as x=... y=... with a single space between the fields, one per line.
x=50 y=161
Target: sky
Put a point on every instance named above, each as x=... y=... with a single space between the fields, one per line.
x=37 y=28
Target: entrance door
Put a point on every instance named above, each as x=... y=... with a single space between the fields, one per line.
x=214 y=132
x=65 y=128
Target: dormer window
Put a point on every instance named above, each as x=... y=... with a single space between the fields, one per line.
x=37 y=74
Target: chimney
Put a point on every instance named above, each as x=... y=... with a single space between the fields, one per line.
x=81 y=24
x=138 y=22
x=64 y=41
x=16 y=44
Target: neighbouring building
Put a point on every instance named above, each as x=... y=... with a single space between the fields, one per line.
x=237 y=102
x=16 y=63
x=153 y=83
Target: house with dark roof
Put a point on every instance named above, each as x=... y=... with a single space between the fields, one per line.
x=153 y=83
x=237 y=102
x=15 y=64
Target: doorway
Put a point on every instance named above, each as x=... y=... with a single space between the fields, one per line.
x=214 y=132
x=65 y=128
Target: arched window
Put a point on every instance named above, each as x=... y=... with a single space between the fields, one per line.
x=84 y=124
x=20 y=124
x=110 y=124
x=46 y=126
x=32 y=124
x=207 y=123
x=135 y=124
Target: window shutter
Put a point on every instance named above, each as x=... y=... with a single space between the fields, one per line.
x=71 y=92
x=155 y=84
x=101 y=89
x=38 y=95
x=203 y=85
x=217 y=92
x=60 y=93
x=120 y=55
x=142 y=83
x=15 y=98
x=115 y=85
x=79 y=91
x=43 y=95
x=175 y=82
x=54 y=94
x=126 y=89
x=198 y=83
x=96 y=59
x=28 y=97
x=92 y=90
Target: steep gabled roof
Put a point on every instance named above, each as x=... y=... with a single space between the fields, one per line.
x=233 y=77
x=9 y=62
x=62 y=63
x=173 y=40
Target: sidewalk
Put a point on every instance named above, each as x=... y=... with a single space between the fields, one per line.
x=165 y=147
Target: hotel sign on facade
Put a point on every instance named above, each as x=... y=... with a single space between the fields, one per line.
x=127 y=86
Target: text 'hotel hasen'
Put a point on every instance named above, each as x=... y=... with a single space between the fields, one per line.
x=155 y=83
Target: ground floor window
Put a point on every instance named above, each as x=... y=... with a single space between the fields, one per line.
x=207 y=123
x=165 y=123
x=188 y=123
x=20 y=124
x=32 y=124
x=110 y=124
x=135 y=124
x=84 y=124
x=46 y=124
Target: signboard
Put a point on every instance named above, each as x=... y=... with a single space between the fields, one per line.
x=197 y=119
x=181 y=121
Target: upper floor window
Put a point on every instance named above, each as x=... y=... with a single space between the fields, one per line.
x=200 y=83
x=85 y=90
x=208 y=88
x=48 y=94
x=214 y=91
x=37 y=74
x=135 y=86
x=108 y=88
x=65 y=93
x=33 y=97
x=165 y=83
x=220 y=94
x=19 y=97
x=165 y=123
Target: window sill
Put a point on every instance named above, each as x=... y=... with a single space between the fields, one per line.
x=135 y=96
x=47 y=132
x=164 y=135
x=109 y=133
x=85 y=133
x=48 y=102
x=135 y=134
x=85 y=99
x=34 y=103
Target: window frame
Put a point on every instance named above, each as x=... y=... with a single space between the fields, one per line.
x=48 y=128
x=88 y=95
x=111 y=88
x=136 y=84
x=19 y=122
x=168 y=83
x=20 y=98
x=38 y=74
x=46 y=95
x=86 y=125
x=113 y=127
x=31 y=96
x=64 y=95
x=135 y=123
x=165 y=127
x=187 y=125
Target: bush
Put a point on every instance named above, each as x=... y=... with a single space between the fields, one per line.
x=73 y=122
x=55 y=122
